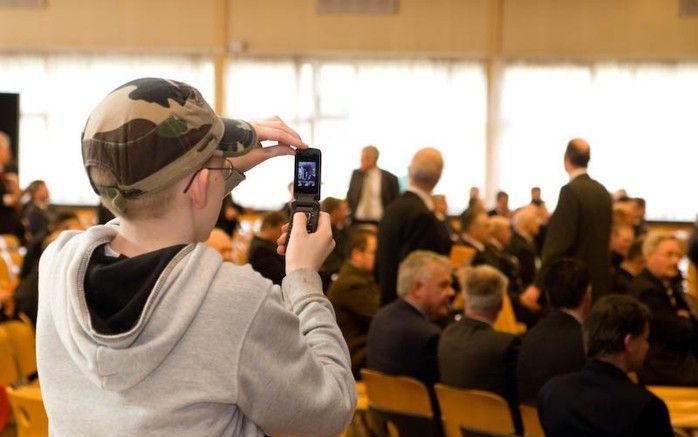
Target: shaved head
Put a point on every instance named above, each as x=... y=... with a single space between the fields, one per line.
x=578 y=153
x=425 y=168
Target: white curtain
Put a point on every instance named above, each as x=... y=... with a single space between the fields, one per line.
x=57 y=93
x=638 y=118
x=340 y=107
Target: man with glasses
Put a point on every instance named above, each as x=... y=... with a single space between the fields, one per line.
x=145 y=328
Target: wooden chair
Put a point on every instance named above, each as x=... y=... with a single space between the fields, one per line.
x=531 y=421
x=21 y=336
x=399 y=405
x=461 y=255
x=8 y=366
x=474 y=409
x=506 y=320
x=467 y=431
x=29 y=411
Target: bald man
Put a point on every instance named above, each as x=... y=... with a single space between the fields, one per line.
x=580 y=227
x=409 y=222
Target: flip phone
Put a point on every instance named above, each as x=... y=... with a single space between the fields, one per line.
x=306 y=187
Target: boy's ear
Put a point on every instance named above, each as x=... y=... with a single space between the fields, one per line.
x=198 y=191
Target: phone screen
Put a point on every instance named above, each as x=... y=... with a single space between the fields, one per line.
x=307 y=177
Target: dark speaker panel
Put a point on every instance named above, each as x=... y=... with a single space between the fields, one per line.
x=9 y=118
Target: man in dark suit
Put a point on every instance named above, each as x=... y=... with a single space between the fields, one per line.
x=601 y=400
x=473 y=355
x=371 y=189
x=580 y=227
x=554 y=345
x=409 y=223
x=402 y=338
x=673 y=358
x=262 y=254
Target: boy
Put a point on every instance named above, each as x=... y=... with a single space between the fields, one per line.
x=143 y=328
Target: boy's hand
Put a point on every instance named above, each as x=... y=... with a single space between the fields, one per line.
x=306 y=251
x=271 y=129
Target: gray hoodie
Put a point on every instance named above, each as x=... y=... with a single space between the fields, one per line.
x=217 y=351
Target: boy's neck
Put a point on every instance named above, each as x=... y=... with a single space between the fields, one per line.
x=142 y=236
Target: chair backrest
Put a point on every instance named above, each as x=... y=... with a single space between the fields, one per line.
x=29 y=411
x=461 y=255
x=669 y=393
x=21 y=335
x=506 y=320
x=475 y=409
x=401 y=401
x=8 y=363
x=466 y=431
x=531 y=421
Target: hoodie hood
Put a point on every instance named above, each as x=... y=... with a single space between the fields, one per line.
x=119 y=361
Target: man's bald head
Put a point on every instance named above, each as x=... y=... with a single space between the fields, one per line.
x=425 y=168
x=578 y=153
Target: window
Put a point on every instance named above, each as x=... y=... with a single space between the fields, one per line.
x=341 y=106
x=58 y=92
x=638 y=119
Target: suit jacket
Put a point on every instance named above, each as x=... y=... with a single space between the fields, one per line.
x=355 y=298
x=390 y=189
x=473 y=355
x=263 y=258
x=401 y=341
x=552 y=347
x=407 y=226
x=525 y=252
x=672 y=358
x=580 y=228
x=601 y=401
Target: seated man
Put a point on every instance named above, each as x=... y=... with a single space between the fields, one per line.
x=402 y=338
x=554 y=345
x=601 y=400
x=262 y=254
x=631 y=266
x=673 y=358
x=355 y=295
x=471 y=354
x=338 y=211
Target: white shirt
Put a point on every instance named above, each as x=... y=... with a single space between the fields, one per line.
x=370 y=205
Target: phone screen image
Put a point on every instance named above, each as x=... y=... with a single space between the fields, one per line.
x=307 y=174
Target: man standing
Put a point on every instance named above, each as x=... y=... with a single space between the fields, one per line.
x=409 y=223
x=402 y=338
x=371 y=189
x=580 y=227
x=601 y=400
x=673 y=359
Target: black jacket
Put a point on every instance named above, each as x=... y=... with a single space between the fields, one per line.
x=552 y=347
x=580 y=228
x=672 y=358
x=475 y=356
x=407 y=226
x=600 y=401
x=390 y=189
x=401 y=341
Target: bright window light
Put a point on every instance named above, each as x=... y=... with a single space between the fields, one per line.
x=340 y=107
x=57 y=93
x=638 y=118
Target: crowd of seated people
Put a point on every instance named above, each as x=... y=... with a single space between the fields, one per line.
x=391 y=285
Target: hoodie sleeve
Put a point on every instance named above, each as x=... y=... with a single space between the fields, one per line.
x=294 y=375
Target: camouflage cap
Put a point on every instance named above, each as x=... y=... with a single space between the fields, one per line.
x=150 y=132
